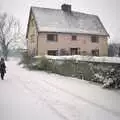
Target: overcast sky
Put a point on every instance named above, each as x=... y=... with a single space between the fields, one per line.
x=107 y=10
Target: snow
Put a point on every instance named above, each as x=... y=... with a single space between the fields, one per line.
x=28 y=95
x=55 y=20
x=104 y=59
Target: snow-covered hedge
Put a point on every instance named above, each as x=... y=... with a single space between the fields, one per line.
x=96 y=69
x=85 y=58
x=66 y=67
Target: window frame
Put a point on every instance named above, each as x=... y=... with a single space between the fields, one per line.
x=95 y=50
x=53 y=52
x=94 y=39
x=74 y=36
x=74 y=51
x=54 y=39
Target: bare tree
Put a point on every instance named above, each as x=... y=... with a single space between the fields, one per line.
x=10 y=32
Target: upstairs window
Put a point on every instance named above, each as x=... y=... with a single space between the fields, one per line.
x=74 y=37
x=94 y=39
x=52 y=37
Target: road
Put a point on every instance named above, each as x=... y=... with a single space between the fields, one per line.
x=28 y=95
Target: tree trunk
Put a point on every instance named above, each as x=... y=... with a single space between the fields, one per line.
x=6 y=55
x=5 y=52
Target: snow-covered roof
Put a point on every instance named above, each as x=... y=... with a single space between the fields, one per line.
x=56 y=20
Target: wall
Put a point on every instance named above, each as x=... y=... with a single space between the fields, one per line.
x=32 y=31
x=64 y=41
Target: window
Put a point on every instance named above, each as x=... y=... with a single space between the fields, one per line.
x=52 y=52
x=52 y=37
x=94 y=39
x=74 y=51
x=74 y=37
x=95 y=52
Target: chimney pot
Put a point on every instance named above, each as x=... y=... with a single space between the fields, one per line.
x=66 y=8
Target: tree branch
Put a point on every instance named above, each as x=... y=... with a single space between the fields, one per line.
x=10 y=31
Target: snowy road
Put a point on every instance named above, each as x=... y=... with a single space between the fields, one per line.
x=28 y=95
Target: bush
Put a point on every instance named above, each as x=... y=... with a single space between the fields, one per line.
x=104 y=73
x=71 y=68
x=66 y=68
x=26 y=59
x=44 y=64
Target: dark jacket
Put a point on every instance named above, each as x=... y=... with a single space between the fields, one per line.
x=2 y=67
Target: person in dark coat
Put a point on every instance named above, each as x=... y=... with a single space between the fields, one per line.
x=2 y=68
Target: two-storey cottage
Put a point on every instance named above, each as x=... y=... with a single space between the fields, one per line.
x=65 y=32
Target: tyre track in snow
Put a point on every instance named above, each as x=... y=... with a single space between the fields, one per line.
x=63 y=90
x=80 y=98
x=46 y=100
x=41 y=98
x=83 y=99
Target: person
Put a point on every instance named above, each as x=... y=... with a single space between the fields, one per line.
x=2 y=68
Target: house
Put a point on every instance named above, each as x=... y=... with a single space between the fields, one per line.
x=65 y=32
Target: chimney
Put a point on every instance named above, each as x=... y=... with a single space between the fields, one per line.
x=66 y=8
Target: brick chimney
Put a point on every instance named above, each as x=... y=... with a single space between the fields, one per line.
x=66 y=8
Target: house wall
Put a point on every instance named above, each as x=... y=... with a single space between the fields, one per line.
x=32 y=36
x=64 y=41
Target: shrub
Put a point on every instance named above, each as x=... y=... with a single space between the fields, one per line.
x=104 y=73
x=42 y=64
x=72 y=67
x=26 y=59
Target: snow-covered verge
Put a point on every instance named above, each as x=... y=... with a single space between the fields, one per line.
x=103 y=59
x=29 y=95
x=92 y=69
x=89 y=68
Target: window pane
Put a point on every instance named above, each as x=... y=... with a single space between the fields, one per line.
x=74 y=51
x=94 y=39
x=74 y=37
x=52 y=52
x=95 y=52
x=52 y=37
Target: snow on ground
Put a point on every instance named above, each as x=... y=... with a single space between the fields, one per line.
x=86 y=58
x=28 y=95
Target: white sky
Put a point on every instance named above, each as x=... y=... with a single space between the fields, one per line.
x=107 y=10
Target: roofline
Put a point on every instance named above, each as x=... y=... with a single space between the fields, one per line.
x=72 y=33
x=103 y=25
x=35 y=20
x=28 y=23
x=61 y=10
x=32 y=7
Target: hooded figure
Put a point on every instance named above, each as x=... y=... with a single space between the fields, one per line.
x=2 y=68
